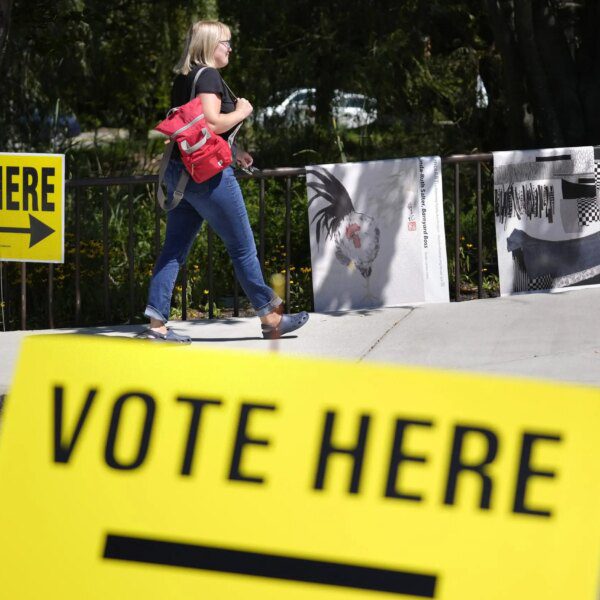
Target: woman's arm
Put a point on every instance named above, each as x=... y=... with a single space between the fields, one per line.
x=220 y=123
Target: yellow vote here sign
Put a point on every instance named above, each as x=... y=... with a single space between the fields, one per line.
x=32 y=193
x=130 y=469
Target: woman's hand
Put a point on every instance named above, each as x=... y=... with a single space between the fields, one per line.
x=243 y=158
x=243 y=108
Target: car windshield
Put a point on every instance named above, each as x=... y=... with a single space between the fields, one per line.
x=302 y=97
x=299 y=97
x=356 y=101
x=278 y=97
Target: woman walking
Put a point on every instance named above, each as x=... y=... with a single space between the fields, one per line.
x=218 y=201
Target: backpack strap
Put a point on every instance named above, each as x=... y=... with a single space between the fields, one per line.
x=232 y=135
x=198 y=73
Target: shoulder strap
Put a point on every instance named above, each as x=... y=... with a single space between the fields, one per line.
x=230 y=90
x=198 y=73
x=165 y=203
x=231 y=137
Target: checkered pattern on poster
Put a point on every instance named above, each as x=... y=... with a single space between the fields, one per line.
x=547 y=212
x=588 y=210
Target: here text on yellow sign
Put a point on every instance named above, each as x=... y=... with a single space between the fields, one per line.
x=32 y=207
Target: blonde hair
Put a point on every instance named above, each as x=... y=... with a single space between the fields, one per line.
x=201 y=41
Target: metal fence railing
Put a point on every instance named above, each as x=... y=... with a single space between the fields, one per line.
x=76 y=187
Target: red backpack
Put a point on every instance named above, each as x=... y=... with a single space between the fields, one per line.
x=203 y=152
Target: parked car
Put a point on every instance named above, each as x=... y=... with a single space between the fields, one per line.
x=299 y=107
x=50 y=126
x=51 y=130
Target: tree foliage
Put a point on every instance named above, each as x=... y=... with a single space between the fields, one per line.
x=551 y=69
x=418 y=60
x=110 y=62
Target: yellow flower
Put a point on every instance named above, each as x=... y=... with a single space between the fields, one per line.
x=205 y=292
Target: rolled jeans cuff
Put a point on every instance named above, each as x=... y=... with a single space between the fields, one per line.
x=269 y=307
x=152 y=313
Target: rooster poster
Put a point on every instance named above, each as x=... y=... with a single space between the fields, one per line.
x=547 y=214
x=377 y=234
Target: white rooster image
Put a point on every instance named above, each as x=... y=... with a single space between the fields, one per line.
x=355 y=235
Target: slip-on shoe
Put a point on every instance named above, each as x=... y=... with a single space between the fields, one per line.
x=287 y=324
x=170 y=336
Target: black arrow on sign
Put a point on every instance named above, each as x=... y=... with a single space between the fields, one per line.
x=37 y=229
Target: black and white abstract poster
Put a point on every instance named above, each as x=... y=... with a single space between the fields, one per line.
x=547 y=212
x=377 y=234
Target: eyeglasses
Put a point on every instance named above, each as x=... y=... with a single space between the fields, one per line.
x=226 y=43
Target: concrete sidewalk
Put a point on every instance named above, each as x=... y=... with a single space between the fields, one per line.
x=548 y=336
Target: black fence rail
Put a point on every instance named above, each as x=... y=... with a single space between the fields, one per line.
x=467 y=186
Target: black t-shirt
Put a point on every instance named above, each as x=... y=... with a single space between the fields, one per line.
x=210 y=81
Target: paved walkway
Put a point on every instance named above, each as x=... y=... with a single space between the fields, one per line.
x=548 y=336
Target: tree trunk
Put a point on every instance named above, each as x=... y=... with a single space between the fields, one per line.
x=5 y=6
x=547 y=125
x=561 y=74
x=520 y=134
x=589 y=71
x=326 y=73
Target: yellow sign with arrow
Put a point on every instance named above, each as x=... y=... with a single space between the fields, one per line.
x=32 y=207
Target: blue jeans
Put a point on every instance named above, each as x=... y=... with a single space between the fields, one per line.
x=218 y=201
